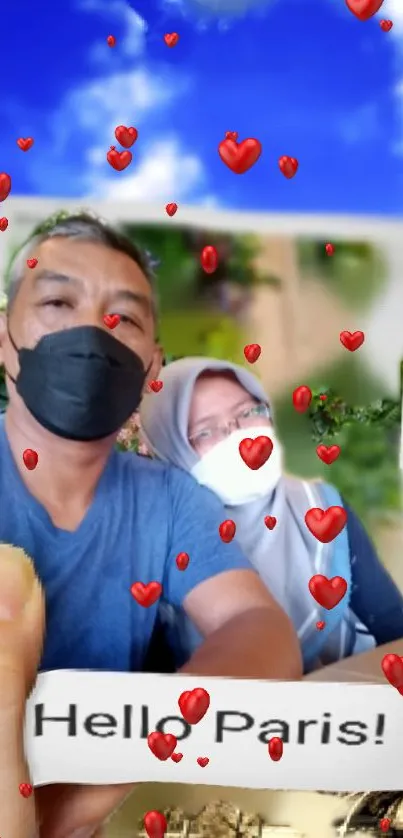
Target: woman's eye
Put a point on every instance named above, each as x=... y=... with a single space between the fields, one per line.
x=203 y=435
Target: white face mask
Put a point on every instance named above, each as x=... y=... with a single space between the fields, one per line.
x=224 y=472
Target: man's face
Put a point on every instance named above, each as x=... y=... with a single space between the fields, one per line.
x=76 y=283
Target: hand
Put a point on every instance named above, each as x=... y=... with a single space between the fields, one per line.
x=61 y=811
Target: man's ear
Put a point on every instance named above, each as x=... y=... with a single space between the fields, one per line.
x=156 y=365
x=3 y=334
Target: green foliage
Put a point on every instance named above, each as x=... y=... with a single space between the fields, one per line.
x=331 y=415
x=188 y=327
x=201 y=332
x=176 y=269
x=177 y=251
x=356 y=271
x=132 y=445
x=366 y=472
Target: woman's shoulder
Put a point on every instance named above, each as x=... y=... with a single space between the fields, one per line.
x=317 y=491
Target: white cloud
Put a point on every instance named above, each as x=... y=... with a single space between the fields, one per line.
x=161 y=170
x=117 y=12
x=219 y=8
x=164 y=173
x=93 y=110
x=393 y=10
x=120 y=98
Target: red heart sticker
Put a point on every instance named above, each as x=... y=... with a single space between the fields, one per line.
x=119 y=160
x=227 y=530
x=392 y=667
x=328 y=453
x=111 y=41
x=3 y=224
x=30 y=458
x=364 y=9
x=255 y=452
x=275 y=748
x=25 y=789
x=146 y=595
x=25 y=144
x=32 y=263
x=203 y=761
x=301 y=398
x=352 y=340
x=171 y=39
x=176 y=757
x=384 y=824
x=111 y=320
x=171 y=209
x=240 y=157
x=156 y=385
x=209 y=259
x=270 y=522
x=194 y=704
x=162 y=745
x=126 y=136
x=182 y=561
x=320 y=625
x=327 y=592
x=326 y=524
x=252 y=352
x=386 y=26
x=5 y=186
x=288 y=166
x=155 y=824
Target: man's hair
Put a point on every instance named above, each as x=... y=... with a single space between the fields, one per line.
x=81 y=226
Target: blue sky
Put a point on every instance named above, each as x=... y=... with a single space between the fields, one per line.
x=303 y=76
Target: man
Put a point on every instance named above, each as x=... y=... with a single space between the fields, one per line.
x=93 y=520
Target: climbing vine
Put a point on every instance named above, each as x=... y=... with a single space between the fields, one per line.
x=329 y=414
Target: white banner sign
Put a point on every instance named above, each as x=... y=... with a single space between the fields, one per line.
x=90 y=727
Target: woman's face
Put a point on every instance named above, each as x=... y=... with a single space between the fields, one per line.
x=220 y=405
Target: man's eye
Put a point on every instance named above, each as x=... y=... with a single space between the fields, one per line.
x=124 y=318
x=57 y=303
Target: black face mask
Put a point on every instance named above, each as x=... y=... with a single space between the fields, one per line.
x=80 y=384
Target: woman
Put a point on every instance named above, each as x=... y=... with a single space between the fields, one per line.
x=205 y=409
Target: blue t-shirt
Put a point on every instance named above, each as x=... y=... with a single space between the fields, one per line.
x=143 y=514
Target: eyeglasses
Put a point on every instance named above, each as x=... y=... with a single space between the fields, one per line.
x=245 y=419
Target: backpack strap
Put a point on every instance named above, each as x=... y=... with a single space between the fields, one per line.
x=338 y=564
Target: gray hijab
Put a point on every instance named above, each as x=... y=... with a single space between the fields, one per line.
x=285 y=557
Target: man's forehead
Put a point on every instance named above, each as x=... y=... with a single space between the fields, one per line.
x=85 y=260
x=77 y=252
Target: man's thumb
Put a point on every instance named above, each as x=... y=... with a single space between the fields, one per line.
x=21 y=637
